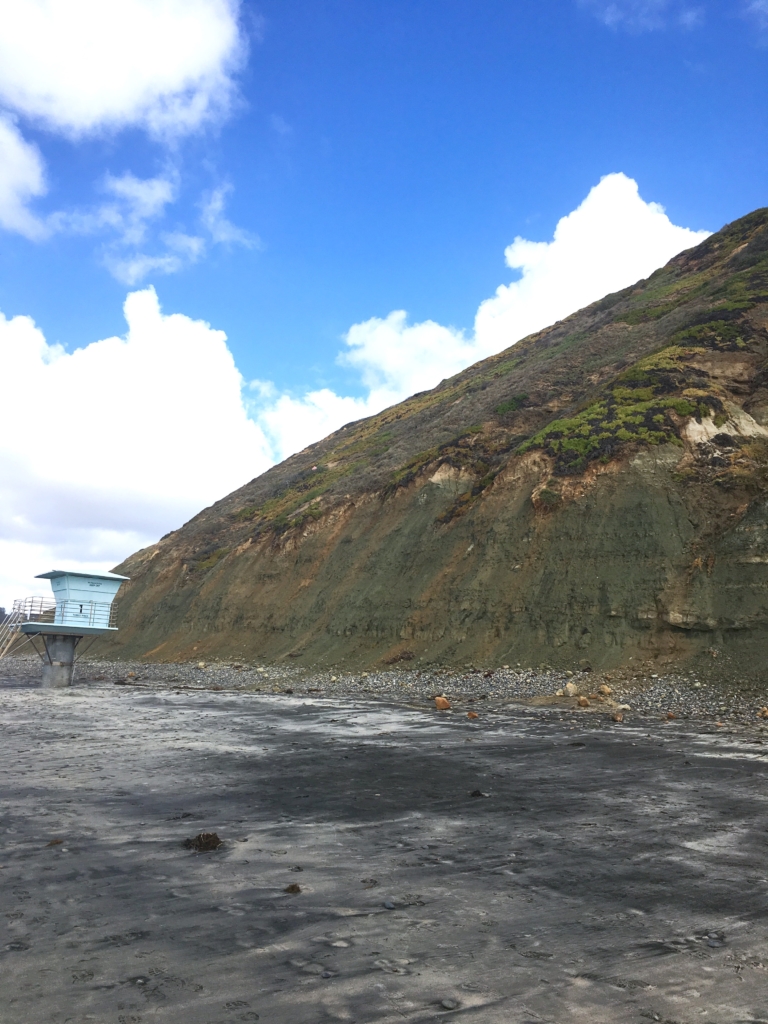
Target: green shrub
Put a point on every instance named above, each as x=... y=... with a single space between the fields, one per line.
x=549 y=498
x=211 y=559
x=634 y=410
x=511 y=405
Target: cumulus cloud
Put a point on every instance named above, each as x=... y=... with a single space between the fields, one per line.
x=611 y=240
x=160 y=424
x=22 y=178
x=105 y=448
x=290 y=423
x=393 y=360
x=79 y=66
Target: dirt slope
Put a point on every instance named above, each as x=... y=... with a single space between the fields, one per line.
x=595 y=492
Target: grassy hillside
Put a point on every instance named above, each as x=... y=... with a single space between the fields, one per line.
x=596 y=491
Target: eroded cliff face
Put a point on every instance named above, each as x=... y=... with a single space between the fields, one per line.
x=597 y=492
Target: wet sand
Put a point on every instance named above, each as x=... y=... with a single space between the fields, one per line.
x=607 y=873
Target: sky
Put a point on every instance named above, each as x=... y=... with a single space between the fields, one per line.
x=227 y=228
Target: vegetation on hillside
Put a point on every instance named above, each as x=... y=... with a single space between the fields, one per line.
x=482 y=417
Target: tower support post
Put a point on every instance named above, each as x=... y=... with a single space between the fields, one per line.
x=59 y=663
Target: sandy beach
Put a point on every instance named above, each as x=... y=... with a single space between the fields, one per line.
x=379 y=862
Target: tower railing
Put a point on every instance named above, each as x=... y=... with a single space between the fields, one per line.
x=31 y=608
x=9 y=629
x=91 y=614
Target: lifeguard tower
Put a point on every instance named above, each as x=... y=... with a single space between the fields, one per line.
x=83 y=605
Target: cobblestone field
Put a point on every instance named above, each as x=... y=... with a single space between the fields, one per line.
x=684 y=696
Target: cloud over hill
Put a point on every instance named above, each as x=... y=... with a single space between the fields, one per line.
x=158 y=423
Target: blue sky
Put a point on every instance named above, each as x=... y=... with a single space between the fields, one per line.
x=320 y=164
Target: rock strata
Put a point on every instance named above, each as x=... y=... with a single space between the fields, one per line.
x=594 y=497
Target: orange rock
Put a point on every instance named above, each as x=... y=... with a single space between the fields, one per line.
x=442 y=703
x=583 y=702
x=618 y=717
x=605 y=690
x=671 y=715
x=472 y=714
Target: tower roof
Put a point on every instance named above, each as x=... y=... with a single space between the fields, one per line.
x=55 y=573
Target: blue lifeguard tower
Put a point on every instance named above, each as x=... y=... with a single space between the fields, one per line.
x=83 y=606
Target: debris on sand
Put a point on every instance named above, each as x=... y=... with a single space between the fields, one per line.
x=204 y=842
x=442 y=703
x=292 y=888
x=55 y=842
x=472 y=714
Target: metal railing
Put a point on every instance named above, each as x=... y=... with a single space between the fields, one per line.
x=96 y=614
x=90 y=614
x=9 y=629
x=31 y=608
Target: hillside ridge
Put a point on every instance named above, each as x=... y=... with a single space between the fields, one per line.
x=593 y=492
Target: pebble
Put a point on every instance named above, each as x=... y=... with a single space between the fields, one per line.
x=388 y=905
x=652 y=694
x=449 y=1004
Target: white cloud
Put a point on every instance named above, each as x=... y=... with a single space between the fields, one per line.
x=80 y=66
x=383 y=353
x=104 y=449
x=140 y=202
x=22 y=178
x=757 y=11
x=644 y=15
x=610 y=241
x=158 y=423
x=280 y=125
x=143 y=199
x=131 y=269
x=290 y=423
x=135 y=204
x=220 y=229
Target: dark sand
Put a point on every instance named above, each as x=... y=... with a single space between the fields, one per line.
x=581 y=888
